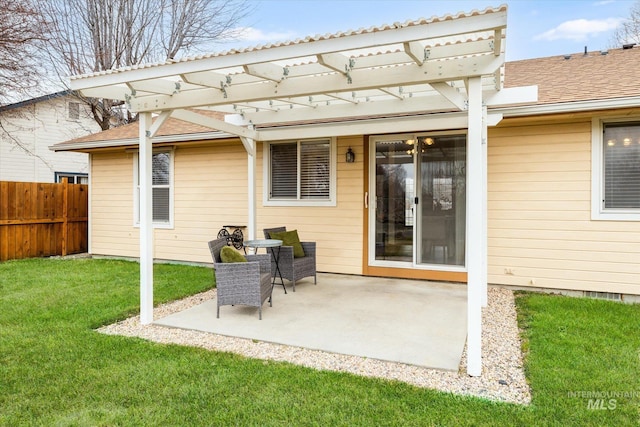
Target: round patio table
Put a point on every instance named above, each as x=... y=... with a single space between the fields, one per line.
x=269 y=243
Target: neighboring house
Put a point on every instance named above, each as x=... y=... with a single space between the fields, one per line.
x=28 y=128
x=563 y=176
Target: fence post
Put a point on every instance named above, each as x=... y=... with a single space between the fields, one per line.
x=65 y=216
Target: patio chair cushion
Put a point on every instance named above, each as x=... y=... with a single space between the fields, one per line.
x=228 y=254
x=290 y=238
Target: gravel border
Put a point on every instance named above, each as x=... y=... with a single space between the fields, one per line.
x=502 y=379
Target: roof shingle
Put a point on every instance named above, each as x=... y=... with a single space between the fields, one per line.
x=582 y=77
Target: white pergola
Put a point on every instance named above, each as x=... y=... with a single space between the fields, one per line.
x=430 y=74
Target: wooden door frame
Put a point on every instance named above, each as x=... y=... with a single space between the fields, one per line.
x=404 y=273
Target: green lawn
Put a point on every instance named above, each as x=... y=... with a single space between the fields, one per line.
x=55 y=370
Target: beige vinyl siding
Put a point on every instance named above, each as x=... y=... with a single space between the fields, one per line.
x=540 y=229
x=210 y=190
x=111 y=187
x=337 y=230
x=541 y=233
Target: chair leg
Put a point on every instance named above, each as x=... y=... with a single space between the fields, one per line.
x=218 y=314
x=315 y=280
x=294 y=285
x=260 y=313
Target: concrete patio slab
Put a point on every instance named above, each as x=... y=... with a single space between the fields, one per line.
x=413 y=322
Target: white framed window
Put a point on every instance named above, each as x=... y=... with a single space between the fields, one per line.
x=161 y=187
x=74 y=110
x=615 y=192
x=72 y=177
x=300 y=172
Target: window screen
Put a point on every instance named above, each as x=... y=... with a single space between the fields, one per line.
x=621 y=153
x=160 y=187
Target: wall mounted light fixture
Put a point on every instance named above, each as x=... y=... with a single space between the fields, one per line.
x=350 y=156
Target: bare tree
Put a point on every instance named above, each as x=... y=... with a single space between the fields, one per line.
x=22 y=28
x=629 y=31
x=98 y=35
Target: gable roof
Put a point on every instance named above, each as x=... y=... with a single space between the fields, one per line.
x=561 y=80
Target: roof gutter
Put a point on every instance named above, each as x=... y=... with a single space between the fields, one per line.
x=569 y=107
x=80 y=146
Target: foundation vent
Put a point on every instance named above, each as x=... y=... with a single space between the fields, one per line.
x=612 y=296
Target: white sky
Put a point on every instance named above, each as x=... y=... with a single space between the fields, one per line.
x=535 y=28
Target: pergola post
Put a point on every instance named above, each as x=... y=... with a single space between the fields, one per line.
x=145 y=161
x=250 y=145
x=484 y=211
x=476 y=193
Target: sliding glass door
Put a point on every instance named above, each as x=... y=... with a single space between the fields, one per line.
x=442 y=200
x=418 y=213
x=393 y=217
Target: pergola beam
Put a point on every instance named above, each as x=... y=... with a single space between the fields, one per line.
x=452 y=94
x=392 y=93
x=309 y=104
x=409 y=105
x=336 y=62
x=351 y=100
x=416 y=51
x=267 y=71
x=158 y=86
x=206 y=78
x=488 y=21
x=210 y=122
x=429 y=122
x=158 y=122
x=323 y=84
x=340 y=110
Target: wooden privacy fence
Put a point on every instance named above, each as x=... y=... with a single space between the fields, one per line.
x=42 y=219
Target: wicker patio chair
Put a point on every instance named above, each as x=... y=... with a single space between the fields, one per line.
x=241 y=283
x=292 y=268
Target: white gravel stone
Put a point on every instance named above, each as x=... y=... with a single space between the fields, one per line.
x=502 y=378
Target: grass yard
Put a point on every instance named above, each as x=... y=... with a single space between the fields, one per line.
x=55 y=370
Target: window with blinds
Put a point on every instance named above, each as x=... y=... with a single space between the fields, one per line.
x=160 y=188
x=621 y=166
x=300 y=170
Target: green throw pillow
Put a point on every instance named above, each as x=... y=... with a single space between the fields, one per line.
x=228 y=254
x=290 y=238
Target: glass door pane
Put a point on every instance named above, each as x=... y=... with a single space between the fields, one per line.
x=442 y=202
x=394 y=193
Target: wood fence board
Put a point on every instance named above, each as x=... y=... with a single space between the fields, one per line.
x=35 y=221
